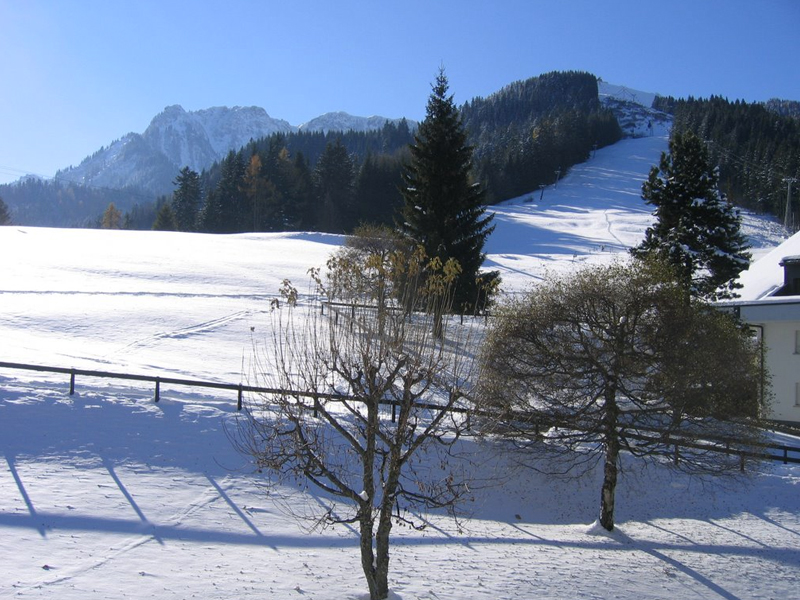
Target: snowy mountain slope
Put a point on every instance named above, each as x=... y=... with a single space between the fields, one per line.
x=342 y=121
x=181 y=137
x=231 y=128
x=175 y=138
x=592 y=215
x=106 y=494
x=607 y=91
x=634 y=110
x=127 y=162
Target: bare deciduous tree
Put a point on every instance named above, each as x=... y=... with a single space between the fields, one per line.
x=368 y=396
x=615 y=359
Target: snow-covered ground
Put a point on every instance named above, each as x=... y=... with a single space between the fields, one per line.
x=106 y=494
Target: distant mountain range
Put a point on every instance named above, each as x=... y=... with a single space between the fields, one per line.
x=177 y=138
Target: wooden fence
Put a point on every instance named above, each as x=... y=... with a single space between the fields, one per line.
x=157 y=380
x=759 y=451
x=785 y=454
x=237 y=387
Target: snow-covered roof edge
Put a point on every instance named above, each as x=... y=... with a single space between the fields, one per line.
x=764 y=277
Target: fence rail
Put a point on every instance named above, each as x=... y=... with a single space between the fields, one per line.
x=763 y=451
x=158 y=380
x=237 y=387
x=782 y=456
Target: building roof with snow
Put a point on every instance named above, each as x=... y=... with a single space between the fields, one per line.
x=767 y=279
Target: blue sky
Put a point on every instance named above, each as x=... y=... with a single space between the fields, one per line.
x=79 y=74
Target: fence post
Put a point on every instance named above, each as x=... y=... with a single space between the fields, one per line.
x=239 y=402
x=158 y=389
x=677 y=454
x=72 y=382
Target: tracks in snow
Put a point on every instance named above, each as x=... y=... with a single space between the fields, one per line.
x=186 y=332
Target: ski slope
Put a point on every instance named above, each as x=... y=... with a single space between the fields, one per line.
x=591 y=216
x=106 y=494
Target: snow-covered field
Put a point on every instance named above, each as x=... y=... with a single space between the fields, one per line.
x=106 y=494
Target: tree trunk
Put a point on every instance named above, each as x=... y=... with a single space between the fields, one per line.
x=438 y=326
x=368 y=558
x=375 y=558
x=377 y=587
x=381 y=565
x=609 y=484
x=382 y=556
x=610 y=468
x=375 y=553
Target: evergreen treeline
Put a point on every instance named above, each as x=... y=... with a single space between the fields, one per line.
x=308 y=181
x=5 y=216
x=387 y=140
x=531 y=131
x=54 y=203
x=268 y=187
x=756 y=148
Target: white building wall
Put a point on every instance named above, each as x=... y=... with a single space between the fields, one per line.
x=782 y=343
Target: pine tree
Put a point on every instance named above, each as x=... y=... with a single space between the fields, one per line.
x=443 y=207
x=696 y=230
x=377 y=189
x=300 y=191
x=226 y=207
x=335 y=175
x=261 y=196
x=165 y=219
x=186 y=199
x=5 y=216
x=755 y=148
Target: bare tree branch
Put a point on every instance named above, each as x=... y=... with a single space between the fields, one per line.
x=348 y=369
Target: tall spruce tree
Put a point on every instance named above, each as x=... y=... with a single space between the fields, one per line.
x=443 y=207
x=186 y=199
x=696 y=230
x=334 y=177
x=165 y=219
x=226 y=208
x=5 y=215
